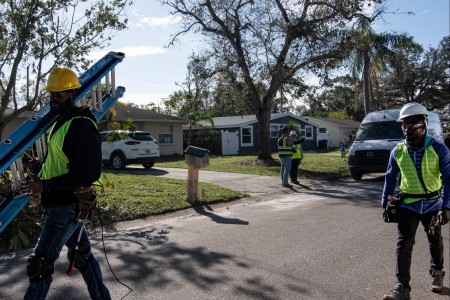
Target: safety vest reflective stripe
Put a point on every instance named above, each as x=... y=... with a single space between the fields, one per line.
x=57 y=164
x=283 y=148
x=410 y=182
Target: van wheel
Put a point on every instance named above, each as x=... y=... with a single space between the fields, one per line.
x=148 y=165
x=356 y=175
x=118 y=161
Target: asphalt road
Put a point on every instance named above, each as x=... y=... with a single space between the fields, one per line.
x=319 y=240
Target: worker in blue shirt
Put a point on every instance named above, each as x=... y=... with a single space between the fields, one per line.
x=424 y=168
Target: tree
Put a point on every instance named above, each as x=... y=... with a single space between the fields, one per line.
x=266 y=43
x=37 y=35
x=370 y=54
x=420 y=76
x=335 y=95
x=190 y=108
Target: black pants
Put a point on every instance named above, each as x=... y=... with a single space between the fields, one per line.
x=294 y=168
x=408 y=223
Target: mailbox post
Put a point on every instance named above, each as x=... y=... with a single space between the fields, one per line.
x=196 y=158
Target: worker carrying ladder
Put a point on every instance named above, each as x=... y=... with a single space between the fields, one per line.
x=32 y=132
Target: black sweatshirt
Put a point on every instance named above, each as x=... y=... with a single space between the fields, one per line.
x=82 y=146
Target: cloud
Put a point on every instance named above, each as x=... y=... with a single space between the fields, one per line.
x=143 y=98
x=162 y=21
x=424 y=12
x=130 y=51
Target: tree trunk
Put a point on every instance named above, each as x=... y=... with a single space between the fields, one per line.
x=263 y=117
x=2 y=128
x=366 y=74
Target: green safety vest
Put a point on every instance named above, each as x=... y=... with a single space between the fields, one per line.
x=57 y=163
x=297 y=151
x=410 y=182
x=283 y=148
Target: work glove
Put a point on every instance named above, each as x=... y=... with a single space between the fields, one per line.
x=443 y=216
x=87 y=201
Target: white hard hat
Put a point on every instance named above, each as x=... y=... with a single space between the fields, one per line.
x=293 y=133
x=412 y=109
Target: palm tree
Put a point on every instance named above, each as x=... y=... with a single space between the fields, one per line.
x=370 y=53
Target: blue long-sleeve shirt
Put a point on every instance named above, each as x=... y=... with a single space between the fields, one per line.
x=393 y=171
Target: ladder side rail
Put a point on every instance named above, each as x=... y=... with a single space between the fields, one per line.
x=23 y=146
x=11 y=210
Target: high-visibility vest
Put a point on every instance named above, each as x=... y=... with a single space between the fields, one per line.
x=283 y=148
x=57 y=163
x=297 y=151
x=410 y=182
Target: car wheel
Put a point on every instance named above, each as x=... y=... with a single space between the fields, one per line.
x=356 y=175
x=148 y=165
x=118 y=161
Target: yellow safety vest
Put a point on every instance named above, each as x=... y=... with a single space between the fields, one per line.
x=297 y=151
x=57 y=163
x=410 y=182
x=283 y=148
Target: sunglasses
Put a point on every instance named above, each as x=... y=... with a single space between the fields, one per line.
x=411 y=127
x=60 y=94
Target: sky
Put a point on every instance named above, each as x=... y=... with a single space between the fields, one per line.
x=150 y=70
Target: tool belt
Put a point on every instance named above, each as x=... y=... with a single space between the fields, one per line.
x=426 y=196
x=391 y=212
x=392 y=209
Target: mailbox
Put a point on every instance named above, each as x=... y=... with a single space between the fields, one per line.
x=197 y=157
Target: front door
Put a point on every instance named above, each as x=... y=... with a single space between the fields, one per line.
x=230 y=143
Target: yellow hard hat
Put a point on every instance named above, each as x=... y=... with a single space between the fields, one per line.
x=62 y=79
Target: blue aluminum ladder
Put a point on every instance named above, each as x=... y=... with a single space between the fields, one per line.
x=33 y=130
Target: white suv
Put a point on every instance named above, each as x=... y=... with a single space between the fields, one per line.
x=121 y=148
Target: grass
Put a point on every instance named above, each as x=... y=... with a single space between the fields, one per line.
x=138 y=196
x=325 y=165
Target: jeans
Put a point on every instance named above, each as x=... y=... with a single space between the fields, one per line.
x=408 y=223
x=285 y=168
x=60 y=228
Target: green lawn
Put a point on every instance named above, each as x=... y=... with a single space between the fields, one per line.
x=327 y=165
x=137 y=196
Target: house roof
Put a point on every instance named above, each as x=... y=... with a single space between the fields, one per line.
x=238 y=121
x=125 y=111
x=344 y=123
x=25 y=114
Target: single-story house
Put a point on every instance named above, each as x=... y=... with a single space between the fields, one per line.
x=336 y=130
x=16 y=122
x=239 y=134
x=164 y=128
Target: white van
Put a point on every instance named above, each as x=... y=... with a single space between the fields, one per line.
x=377 y=135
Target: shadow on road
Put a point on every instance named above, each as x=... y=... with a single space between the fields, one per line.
x=216 y=218
x=147 y=258
x=137 y=171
